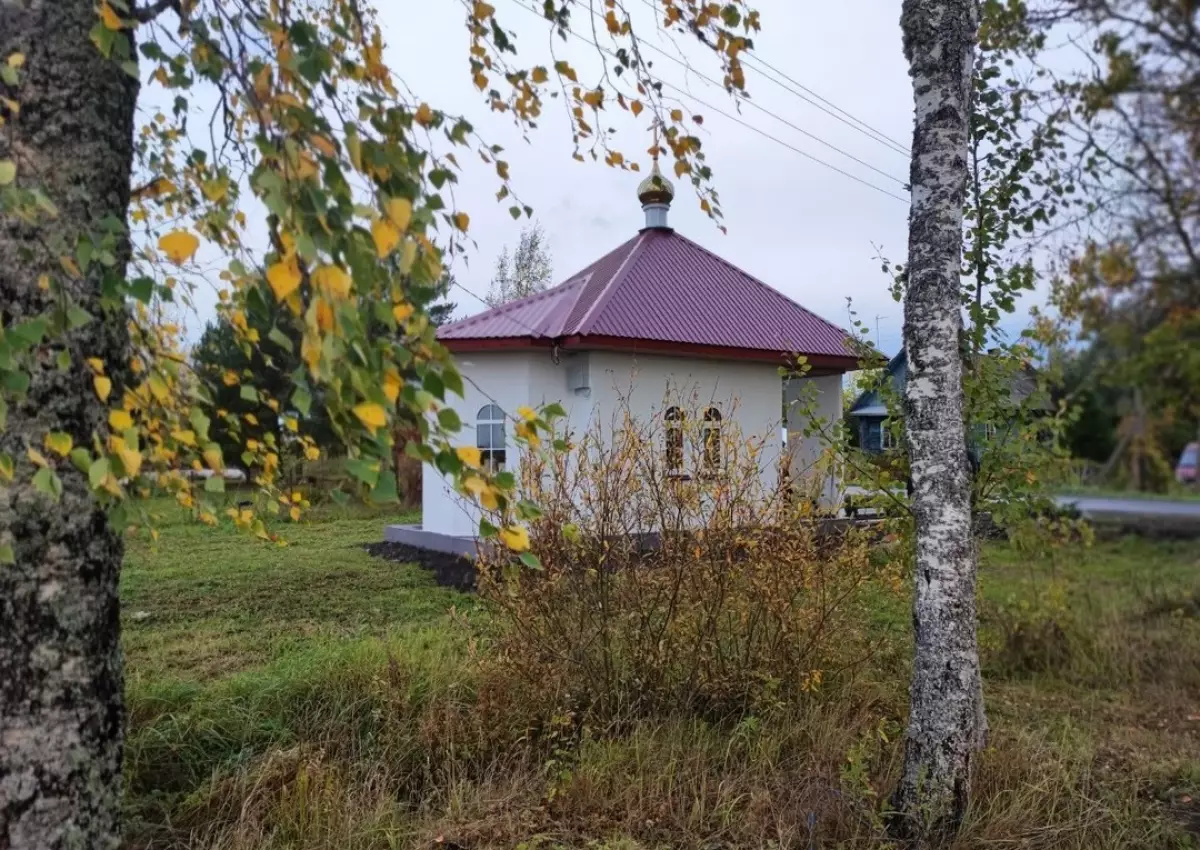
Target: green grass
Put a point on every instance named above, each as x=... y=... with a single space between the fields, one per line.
x=311 y=696
x=201 y=604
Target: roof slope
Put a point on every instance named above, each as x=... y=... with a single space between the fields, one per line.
x=660 y=287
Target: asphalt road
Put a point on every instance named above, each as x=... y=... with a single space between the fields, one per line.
x=1103 y=507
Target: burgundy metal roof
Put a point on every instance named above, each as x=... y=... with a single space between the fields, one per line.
x=658 y=287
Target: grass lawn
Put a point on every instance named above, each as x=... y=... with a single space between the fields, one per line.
x=311 y=696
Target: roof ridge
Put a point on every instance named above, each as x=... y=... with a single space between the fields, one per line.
x=533 y=298
x=614 y=282
x=761 y=284
x=509 y=306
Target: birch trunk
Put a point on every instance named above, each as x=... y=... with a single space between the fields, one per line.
x=946 y=723
x=60 y=664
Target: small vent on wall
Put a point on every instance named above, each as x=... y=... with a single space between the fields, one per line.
x=579 y=380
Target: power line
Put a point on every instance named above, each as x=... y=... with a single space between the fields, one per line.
x=687 y=67
x=832 y=109
x=746 y=124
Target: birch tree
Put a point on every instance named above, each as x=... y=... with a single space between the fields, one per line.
x=946 y=721
x=101 y=225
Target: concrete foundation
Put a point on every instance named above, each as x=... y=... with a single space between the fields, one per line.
x=415 y=535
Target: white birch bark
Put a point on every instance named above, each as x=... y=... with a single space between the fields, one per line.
x=946 y=724
x=60 y=662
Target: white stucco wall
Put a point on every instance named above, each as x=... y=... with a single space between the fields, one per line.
x=749 y=394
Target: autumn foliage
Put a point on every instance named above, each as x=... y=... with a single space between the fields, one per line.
x=690 y=589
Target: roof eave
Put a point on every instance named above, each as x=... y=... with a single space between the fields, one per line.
x=819 y=363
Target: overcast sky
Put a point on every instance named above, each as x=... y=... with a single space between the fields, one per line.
x=810 y=232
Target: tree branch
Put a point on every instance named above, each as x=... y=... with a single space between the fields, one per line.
x=146 y=14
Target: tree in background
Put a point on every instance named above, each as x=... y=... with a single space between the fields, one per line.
x=530 y=269
x=103 y=221
x=1134 y=286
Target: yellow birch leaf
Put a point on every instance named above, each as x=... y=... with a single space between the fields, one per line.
x=354 y=149
x=310 y=351
x=636 y=107
x=324 y=145
x=469 y=455
x=212 y=456
x=392 y=384
x=676 y=114
x=103 y=386
x=481 y=81
x=527 y=413
x=179 y=245
x=119 y=420
x=188 y=438
x=284 y=277
x=37 y=457
x=462 y=221
x=372 y=415
x=334 y=280
x=44 y=282
x=109 y=18
x=386 y=237
x=515 y=537
x=399 y=212
x=97 y=365
x=158 y=388
x=58 y=442
x=294 y=513
x=488 y=499
x=408 y=256
x=423 y=115
x=16 y=60
x=401 y=312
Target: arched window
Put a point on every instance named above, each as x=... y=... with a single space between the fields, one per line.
x=673 y=419
x=489 y=436
x=712 y=440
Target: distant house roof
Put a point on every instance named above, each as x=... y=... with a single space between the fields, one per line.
x=872 y=403
x=660 y=293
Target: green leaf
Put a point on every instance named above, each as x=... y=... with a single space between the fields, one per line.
x=453 y=381
x=77 y=317
x=200 y=423
x=7 y=556
x=385 y=491
x=279 y=338
x=81 y=458
x=16 y=382
x=302 y=399
x=98 y=471
x=142 y=289
x=249 y=393
x=215 y=483
x=434 y=386
x=365 y=471
x=46 y=482
x=486 y=529
x=531 y=560
x=339 y=496
x=31 y=332
x=63 y=360
x=8 y=171
x=449 y=420
x=554 y=411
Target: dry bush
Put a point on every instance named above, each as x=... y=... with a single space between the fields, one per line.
x=687 y=583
